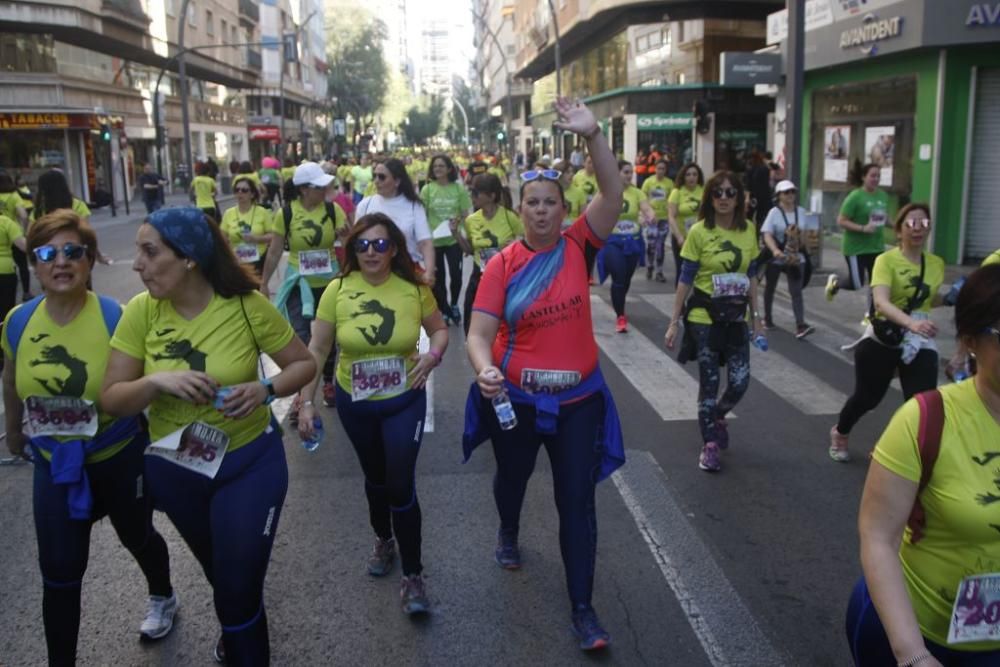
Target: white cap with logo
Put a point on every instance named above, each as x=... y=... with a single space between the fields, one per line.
x=310 y=173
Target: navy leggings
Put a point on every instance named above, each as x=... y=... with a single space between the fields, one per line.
x=710 y=407
x=64 y=544
x=575 y=454
x=870 y=645
x=386 y=435
x=620 y=267
x=303 y=327
x=229 y=523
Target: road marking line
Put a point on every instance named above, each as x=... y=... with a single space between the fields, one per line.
x=656 y=376
x=423 y=345
x=724 y=626
x=794 y=384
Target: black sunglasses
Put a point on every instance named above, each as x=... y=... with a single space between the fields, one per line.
x=381 y=176
x=724 y=193
x=244 y=190
x=71 y=251
x=381 y=246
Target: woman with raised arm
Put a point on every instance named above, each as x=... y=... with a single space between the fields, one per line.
x=533 y=298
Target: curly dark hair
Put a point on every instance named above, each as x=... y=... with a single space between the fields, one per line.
x=682 y=172
x=452 y=171
x=402 y=263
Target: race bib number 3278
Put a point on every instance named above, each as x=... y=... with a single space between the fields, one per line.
x=378 y=377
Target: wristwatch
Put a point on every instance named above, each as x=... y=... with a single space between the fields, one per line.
x=271 y=395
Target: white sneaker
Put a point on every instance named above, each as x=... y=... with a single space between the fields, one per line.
x=160 y=612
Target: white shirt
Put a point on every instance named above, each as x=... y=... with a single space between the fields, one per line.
x=775 y=223
x=409 y=216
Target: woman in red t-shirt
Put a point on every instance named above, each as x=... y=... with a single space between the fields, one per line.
x=532 y=300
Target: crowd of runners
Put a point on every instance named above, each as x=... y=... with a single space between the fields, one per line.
x=168 y=392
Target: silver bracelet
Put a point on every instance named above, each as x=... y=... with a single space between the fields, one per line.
x=915 y=660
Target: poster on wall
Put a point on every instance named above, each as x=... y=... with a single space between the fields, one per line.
x=836 y=148
x=880 y=149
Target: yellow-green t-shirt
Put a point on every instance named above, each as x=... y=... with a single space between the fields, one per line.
x=687 y=202
x=80 y=208
x=628 y=218
x=658 y=192
x=256 y=221
x=287 y=173
x=576 y=201
x=499 y=172
x=9 y=232
x=587 y=183
x=901 y=276
x=310 y=230
x=497 y=232
x=217 y=341
x=993 y=258
x=344 y=174
x=361 y=177
x=204 y=191
x=717 y=251
x=960 y=537
x=67 y=360
x=374 y=321
x=9 y=203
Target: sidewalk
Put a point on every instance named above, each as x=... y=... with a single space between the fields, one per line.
x=101 y=217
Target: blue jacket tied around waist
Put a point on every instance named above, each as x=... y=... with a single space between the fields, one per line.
x=547 y=415
x=68 y=459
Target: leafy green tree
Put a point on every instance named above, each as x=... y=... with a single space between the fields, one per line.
x=357 y=70
x=424 y=123
x=478 y=117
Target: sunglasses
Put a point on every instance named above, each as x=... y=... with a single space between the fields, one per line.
x=921 y=223
x=788 y=192
x=381 y=176
x=381 y=246
x=243 y=190
x=539 y=174
x=724 y=193
x=71 y=251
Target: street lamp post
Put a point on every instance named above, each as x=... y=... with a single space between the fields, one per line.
x=281 y=77
x=182 y=78
x=465 y=117
x=555 y=29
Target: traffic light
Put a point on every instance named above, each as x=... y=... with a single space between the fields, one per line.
x=500 y=135
x=105 y=132
x=702 y=123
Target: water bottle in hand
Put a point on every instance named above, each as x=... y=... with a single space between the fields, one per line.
x=505 y=410
x=952 y=296
x=760 y=341
x=311 y=444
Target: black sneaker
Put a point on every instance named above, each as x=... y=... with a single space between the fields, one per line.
x=382 y=558
x=587 y=628
x=804 y=330
x=660 y=278
x=456 y=315
x=507 y=554
x=649 y=273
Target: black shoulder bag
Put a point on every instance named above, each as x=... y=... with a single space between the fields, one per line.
x=890 y=333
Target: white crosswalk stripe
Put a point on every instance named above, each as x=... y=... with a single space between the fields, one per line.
x=808 y=393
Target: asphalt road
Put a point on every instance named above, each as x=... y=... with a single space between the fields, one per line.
x=751 y=566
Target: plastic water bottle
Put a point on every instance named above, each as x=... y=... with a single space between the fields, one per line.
x=311 y=444
x=952 y=296
x=760 y=341
x=505 y=410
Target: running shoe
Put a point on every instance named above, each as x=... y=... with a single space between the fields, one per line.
x=507 y=554
x=770 y=325
x=413 y=594
x=649 y=273
x=160 y=612
x=838 y=446
x=709 y=459
x=804 y=330
x=329 y=394
x=622 y=325
x=660 y=278
x=220 y=652
x=832 y=286
x=722 y=433
x=382 y=558
x=587 y=628
x=456 y=315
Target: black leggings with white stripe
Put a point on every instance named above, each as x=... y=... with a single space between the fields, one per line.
x=858 y=267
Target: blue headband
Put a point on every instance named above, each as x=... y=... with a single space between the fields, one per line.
x=186 y=229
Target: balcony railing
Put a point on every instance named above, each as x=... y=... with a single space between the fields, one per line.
x=254 y=60
x=250 y=11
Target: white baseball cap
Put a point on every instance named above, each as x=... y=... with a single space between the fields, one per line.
x=784 y=186
x=310 y=173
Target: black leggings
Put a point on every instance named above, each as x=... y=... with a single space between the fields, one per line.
x=859 y=271
x=21 y=262
x=64 y=543
x=874 y=366
x=470 y=296
x=450 y=255
x=675 y=248
x=620 y=267
x=386 y=435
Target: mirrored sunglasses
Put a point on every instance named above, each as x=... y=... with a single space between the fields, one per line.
x=537 y=174
x=917 y=223
x=381 y=246
x=71 y=251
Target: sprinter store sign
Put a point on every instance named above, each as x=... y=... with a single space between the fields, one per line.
x=872 y=30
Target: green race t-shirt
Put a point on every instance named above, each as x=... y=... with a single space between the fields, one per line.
x=9 y=232
x=628 y=218
x=576 y=201
x=68 y=360
x=374 y=321
x=960 y=537
x=217 y=341
x=310 y=230
x=488 y=237
x=587 y=183
x=9 y=203
x=862 y=207
x=901 y=276
x=256 y=221
x=204 y=191
x=361 y=177
x=658 y=191
x=717 y=251
x=444 y=202
x=688 y=202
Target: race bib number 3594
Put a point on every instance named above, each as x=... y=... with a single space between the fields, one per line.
x=378 y=377
x=61 y=415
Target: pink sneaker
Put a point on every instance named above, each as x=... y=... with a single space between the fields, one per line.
x=622 y=325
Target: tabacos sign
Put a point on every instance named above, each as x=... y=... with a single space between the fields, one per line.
x=872 y=30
